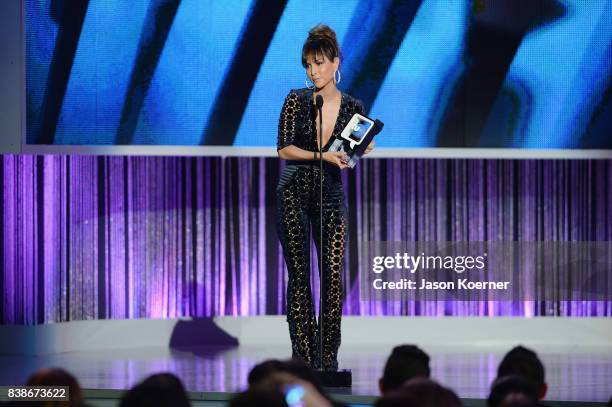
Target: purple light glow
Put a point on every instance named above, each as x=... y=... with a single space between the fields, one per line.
x=163 y=237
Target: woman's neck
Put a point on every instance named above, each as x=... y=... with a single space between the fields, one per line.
x=329 y=92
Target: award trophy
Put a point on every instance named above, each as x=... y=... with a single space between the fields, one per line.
x=356 y=137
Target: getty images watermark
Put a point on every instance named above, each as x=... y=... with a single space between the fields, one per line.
x=413 y=264
x=485 y=270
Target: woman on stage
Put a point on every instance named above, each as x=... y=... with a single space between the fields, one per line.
x=298 y=198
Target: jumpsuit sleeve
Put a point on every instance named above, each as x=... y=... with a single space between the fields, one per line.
x=287 y=123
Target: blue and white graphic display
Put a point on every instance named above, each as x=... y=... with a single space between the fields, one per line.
x=438 y=73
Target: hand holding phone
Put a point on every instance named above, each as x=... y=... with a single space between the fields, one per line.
x=300 y=393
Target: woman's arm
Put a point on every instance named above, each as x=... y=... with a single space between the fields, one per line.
x=292 y=152
x=287 y=121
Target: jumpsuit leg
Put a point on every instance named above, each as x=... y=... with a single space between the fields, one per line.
x=334 y=240
x=293 y=227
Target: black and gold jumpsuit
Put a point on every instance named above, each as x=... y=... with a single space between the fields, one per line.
x=297 y=197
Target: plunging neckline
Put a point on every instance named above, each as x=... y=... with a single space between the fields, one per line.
x=335 y=123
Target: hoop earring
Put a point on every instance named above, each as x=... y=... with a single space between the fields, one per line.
x=308 y=84
x=339 y=76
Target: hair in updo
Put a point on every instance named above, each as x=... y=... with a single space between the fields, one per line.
x=321 y=40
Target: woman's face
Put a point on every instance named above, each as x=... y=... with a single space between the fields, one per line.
x=320 y=69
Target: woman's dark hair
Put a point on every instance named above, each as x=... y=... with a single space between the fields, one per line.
x=162 y=389
x=420 y=392
x=523 y=362
x=58 y=377
x=261 y=371
x=258 y=397
x=321 y=40
x=511 y=384
x=405 y=362
x=430 y=393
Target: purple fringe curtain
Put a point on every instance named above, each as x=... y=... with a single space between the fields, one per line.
x=88 y=237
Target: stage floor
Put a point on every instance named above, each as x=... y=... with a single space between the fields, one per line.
x=573 y=374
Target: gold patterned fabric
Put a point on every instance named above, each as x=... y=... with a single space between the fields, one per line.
x=298 y=211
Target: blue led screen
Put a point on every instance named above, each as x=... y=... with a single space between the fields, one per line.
x=438 y=73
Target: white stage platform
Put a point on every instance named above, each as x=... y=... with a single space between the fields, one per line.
x=214 y=356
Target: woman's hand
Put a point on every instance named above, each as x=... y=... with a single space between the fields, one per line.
x=369 y=148
x=338 y=158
